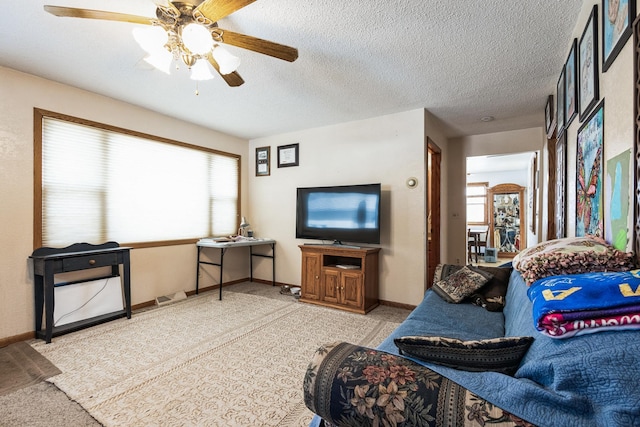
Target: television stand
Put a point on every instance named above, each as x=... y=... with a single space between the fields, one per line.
x=340 y=276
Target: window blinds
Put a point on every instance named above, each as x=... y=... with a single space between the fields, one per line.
x=100 y=185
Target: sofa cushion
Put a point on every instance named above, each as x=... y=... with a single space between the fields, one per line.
x=492 y=295
x=459 y=285
x=571 y=255
x=497 y=354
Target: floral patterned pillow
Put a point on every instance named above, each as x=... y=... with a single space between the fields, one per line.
x=464 y=282
x=571 y=255
x=496 y=354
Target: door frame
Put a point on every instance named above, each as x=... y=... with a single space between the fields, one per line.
x=433 y=176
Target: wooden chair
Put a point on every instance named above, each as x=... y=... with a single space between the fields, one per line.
x=476 y=244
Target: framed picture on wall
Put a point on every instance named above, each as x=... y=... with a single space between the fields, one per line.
x=560 y=103
x=288 y=155
x=561 y=187
x=617 y=17
x=589 y=175
x=570 y=85
x=263 y=155
x=549 y=117
x=588 y=93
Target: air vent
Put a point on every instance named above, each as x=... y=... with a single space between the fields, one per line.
x=168 y=299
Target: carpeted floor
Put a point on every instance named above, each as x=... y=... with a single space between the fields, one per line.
x=253 y=335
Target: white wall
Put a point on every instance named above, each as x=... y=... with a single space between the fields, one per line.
x=386 y=149
x=154 y=271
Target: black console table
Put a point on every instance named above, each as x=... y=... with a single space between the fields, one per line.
x=80 y=256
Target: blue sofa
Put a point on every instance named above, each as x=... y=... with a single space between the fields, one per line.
x=586 y=380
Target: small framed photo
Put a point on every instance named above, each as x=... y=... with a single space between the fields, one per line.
x=589 y=91
x=288 y=155
x=263 y=155
x=560 y=103
x=570 y=86
x=549 y=117
x=561 y=186
x=617 y=19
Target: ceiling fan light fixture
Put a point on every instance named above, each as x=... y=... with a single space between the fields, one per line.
x=200 y=71
x=160 y=59
x=228 y=63
x=197 y=39
x=150 y=38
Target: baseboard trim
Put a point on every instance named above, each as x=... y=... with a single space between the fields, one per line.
x=397 y=305
x=17 y=338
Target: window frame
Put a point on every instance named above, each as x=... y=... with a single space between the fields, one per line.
x=40 y=114
x=485 y=185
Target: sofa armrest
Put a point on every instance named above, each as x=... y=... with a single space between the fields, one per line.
x=348 y=385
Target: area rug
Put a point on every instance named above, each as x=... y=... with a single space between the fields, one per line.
x=21 y=366
x=201 y=361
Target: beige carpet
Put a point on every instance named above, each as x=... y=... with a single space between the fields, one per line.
x=235 y=362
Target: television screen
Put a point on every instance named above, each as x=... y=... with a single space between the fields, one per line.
x=347 y=213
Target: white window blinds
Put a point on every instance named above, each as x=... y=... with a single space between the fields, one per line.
x=102 y=184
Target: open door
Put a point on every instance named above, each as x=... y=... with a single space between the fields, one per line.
x=433 y=158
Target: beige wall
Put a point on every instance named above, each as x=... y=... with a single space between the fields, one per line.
x=155 y=271
x=386 y=149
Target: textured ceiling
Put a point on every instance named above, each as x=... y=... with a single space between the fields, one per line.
x=461 y=60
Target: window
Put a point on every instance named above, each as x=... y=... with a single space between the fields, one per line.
x=477 y=203
x=97 y=183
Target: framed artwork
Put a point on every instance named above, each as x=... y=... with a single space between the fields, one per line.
x=617 y=179
x=549 y=117
x=533 y=191
x=288 y=155
x=560 y=103
x=570 y=86
x=589 y=179
x=617 y=16
x=263 y=155
x=561 y=186
x=588 y=93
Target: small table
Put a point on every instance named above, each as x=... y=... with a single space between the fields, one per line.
x=223 y=246
x=48 y=262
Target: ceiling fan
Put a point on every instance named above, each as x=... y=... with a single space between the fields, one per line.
x=188 y=30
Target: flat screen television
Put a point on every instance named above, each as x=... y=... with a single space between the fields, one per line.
x=345 y=213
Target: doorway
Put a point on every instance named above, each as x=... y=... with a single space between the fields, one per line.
x=433 y=178
x=492 y=171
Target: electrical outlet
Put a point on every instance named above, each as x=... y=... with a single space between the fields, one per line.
x=458 y=261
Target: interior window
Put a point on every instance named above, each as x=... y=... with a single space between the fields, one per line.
x=477 y=203
x=97 y=183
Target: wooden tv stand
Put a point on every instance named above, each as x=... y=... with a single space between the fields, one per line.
x=340 y=277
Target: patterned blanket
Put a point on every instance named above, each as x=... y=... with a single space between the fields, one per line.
x=570 y=305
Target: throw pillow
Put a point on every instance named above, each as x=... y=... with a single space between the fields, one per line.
x=461 y=284
x=498 y=354
x=571 y=255
x=492 y=295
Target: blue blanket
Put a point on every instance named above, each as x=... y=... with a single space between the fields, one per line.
x=588 y=380
x=569 y=305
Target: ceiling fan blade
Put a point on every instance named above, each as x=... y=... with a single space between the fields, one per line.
x=255 y=44
x=232 y=79
x=96 y=14
x=218 y=9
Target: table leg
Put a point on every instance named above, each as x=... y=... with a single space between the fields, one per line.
x=126 y=272
x=273 y=264
x=222 y=250
x=49 y=303
x=39 y=299
x=198 y=270
x=251 y=263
